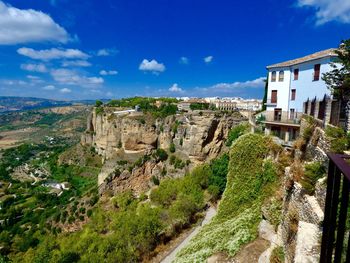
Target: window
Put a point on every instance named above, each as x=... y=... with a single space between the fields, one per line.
x=281 y=76
x=273 y=96
x=296 y=74
x=317 y=68
x=292 y=114
x=293 y=94
x=273 y=76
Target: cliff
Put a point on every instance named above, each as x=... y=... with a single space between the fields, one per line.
x=192 y=138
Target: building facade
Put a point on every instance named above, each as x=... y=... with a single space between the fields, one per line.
x=290 y=84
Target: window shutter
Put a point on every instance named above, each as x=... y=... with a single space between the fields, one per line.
x=317 y=68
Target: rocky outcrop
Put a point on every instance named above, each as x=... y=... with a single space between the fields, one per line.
x=302 y=217
x=196 y=136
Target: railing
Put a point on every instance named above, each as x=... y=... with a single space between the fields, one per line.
x=271 y=102
x=283 y=117
x=336 y=211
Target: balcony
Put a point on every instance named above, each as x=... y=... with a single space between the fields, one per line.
x=271 y=102
x=283 y=117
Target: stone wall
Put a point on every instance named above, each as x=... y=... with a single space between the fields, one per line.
x=303 y=214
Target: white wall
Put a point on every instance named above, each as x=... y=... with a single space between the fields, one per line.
x=305 y=86
x=281 y=87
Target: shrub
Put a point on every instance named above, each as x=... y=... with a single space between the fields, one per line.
x=236 y=132
x=160 y=154
x=98 y=103
x=172 y=148
x=214 y=192
x=89 y=213
x=277 y=255
x=123 y=200
x=312 y=173
x=99 y=110
x=155 y=180
x=309 y=129
x=338 y=139
x=172 y=159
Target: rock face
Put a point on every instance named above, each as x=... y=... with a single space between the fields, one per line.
x=196 y=136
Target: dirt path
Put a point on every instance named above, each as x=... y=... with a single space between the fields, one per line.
x=211 y=212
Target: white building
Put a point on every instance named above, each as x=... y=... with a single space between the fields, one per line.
x=290 y=84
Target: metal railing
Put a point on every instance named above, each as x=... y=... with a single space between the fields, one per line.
x=283 y=117
x=333 y=248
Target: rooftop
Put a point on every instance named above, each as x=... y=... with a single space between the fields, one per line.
x=321 y=54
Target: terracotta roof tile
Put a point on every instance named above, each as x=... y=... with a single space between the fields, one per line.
x=317 y=55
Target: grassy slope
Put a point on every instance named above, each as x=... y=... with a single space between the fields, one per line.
x=250 y=180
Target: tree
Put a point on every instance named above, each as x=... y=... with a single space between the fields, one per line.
x=98 y=103
x=265 y=94
x=338 y=79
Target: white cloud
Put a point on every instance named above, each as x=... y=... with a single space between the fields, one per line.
x=256 y=83
x=107 y=52
x=76 y=63
x=70 y=77
x=32 y=77
x=175 y=88
x=184 y=60
x=34 y=67
x=152 y=66
x=27 y=25
x=208 y=59
x=108 y=72
x=9 y=82
x=53 y=53
x=65 y=90
x=49 y=87
x=328 y=10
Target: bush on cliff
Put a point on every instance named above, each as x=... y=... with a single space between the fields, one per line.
x=251 y=178
x=237 y=131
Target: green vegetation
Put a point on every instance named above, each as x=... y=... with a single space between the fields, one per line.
x=248 y=185
x=219 y=168
x=309 y=129
x=176 y=162
x=148 y=105
x=340 y=141
x=49 y=119
x=33 y=211
x=98 y=103
x=172 y=148
x=338 y=79
x=160 y=154
x=199 y=106
x=236 y=132
x=99 y=110
x=277 y=255
x=130 y=231
x=313 y=172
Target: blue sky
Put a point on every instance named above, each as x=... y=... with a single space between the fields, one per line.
x=65 y=49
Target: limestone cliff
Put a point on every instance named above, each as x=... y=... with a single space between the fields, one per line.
x=195 y=137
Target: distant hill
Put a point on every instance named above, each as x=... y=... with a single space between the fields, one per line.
x=8 y=104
